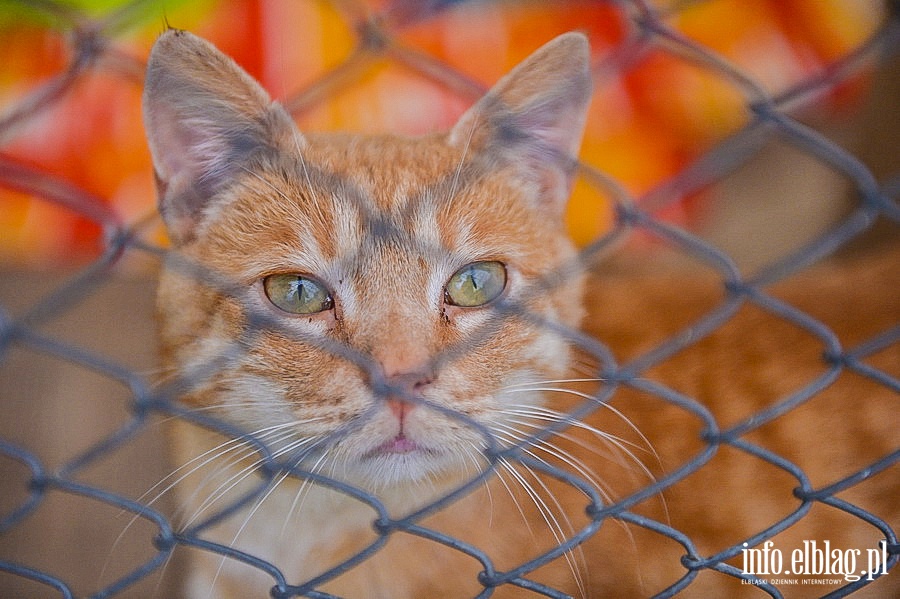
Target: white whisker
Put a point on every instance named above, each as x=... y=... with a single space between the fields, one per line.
x=236 y=479
x=589 y=397
x=273 y=485
x=530 y=384
x=582 y=469
x=623 y=446
x=534 y=416
x=462 y=159
x=512 y=496
x=299 y=498
x=553 y=523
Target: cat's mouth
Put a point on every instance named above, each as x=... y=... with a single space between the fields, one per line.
x=401 y=459
x=400 y=445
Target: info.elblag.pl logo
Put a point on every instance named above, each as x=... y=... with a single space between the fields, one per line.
x=815 y=559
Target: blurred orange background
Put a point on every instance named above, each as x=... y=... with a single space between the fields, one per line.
x=72 y=151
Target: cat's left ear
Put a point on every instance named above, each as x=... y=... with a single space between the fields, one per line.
x=533 y=118
x=205 y=117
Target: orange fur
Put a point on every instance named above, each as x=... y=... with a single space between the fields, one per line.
x=384 y=223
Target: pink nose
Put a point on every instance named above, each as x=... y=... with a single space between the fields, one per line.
x=406 y=386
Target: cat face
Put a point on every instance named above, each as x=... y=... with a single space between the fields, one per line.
x=370 y=305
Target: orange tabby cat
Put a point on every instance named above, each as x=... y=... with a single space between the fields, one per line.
x=392 y=319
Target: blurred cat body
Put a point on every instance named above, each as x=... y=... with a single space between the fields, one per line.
x=391 y=314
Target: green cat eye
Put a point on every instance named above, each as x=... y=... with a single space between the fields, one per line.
x=476 y=284
x=297 y=294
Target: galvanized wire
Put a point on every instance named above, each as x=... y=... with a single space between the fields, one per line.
x=92 y=42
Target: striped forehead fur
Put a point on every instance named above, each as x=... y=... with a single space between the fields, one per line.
x=329 y=212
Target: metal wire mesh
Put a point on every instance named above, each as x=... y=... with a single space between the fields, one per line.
x=32 y=328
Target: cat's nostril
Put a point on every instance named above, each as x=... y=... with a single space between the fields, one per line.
x=414 y=382
x=410 y=382
x=421 y=383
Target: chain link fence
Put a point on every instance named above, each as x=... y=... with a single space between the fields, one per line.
x=88 y=340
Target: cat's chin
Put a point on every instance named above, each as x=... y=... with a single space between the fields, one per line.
x=401 y=444
x=401 y=462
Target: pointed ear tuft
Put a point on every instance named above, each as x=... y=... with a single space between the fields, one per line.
x=204 y=117
x=534 y=117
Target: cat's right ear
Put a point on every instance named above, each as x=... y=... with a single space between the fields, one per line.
x=204 y=117
x=533 y=119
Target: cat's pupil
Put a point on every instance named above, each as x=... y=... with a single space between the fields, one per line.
x=476 y=284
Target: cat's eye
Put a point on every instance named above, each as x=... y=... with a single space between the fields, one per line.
x=297 y=294
x=476 y=284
